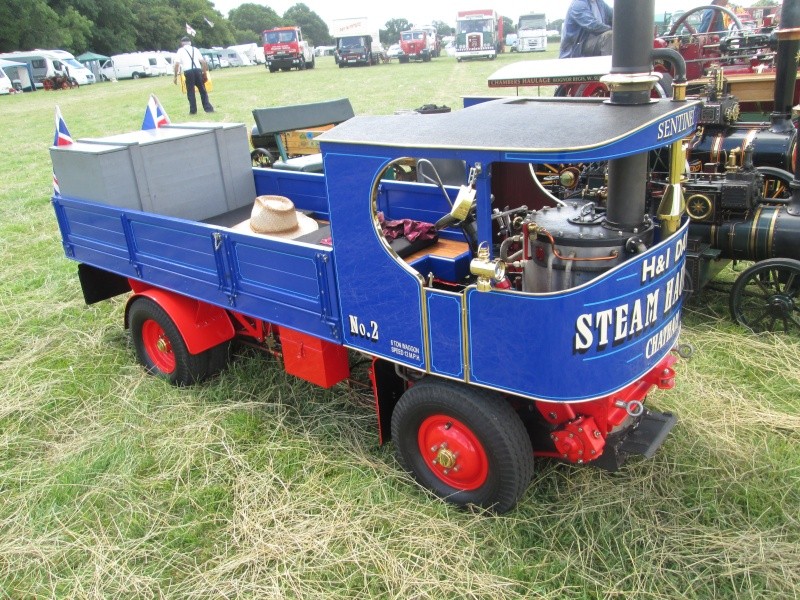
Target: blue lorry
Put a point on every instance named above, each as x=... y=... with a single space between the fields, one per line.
x=500 y=324
x=460 y=340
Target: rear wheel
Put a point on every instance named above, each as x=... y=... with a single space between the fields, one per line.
x=466 y=445
x=766 y=296
x=135 y=76
x=312 y=64
x=160 y=347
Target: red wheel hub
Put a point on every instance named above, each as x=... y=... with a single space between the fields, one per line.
x=453 y=452
x=158 y=346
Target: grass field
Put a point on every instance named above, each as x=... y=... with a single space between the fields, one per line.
x=257 y=485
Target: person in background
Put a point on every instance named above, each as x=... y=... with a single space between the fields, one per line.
x=712 y=20
x=586 y=30
x=193 y=65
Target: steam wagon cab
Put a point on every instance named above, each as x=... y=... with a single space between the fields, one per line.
x=504 y=331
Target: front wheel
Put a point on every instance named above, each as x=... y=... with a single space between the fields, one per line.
x=312 y=64
x=466 y=445
x=160 y=347
x=766 y=296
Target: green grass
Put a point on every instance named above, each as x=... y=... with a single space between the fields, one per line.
x=258 y=485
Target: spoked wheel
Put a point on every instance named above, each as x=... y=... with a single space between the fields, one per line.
x=766 y=296
x=466 y=445
x=161 y=349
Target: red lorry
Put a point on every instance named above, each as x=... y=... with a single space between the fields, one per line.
x=285 y=49
x=420 y=43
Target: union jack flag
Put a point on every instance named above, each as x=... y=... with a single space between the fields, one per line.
x=62 y=138
x=154 y=115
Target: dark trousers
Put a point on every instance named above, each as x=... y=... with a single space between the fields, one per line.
x=194 y=78
x=597 y=45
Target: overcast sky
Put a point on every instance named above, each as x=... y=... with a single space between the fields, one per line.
x=420 y=12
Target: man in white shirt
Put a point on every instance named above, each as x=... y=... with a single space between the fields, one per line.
x=193 y=65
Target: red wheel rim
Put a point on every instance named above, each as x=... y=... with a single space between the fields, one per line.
x=453 y=452
x=158 y=346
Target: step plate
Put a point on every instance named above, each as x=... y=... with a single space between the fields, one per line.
x=649 y=435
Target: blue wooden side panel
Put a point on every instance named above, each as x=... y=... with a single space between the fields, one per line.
x=402 y=200
x=283 y=282
x=306 y=190
x=445 y=333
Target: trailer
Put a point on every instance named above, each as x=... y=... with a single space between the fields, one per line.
x=478 y=364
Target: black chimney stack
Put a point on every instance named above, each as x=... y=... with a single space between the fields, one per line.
x=630 y=82
x=786 y=65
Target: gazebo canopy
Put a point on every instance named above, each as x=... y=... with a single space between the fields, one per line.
x=90 y=56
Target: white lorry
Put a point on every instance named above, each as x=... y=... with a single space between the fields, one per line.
x=532 y=33
x=357 y=42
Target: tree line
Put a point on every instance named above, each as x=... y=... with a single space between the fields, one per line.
x=116 y=26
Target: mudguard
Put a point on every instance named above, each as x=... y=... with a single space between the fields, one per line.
x=201 y=325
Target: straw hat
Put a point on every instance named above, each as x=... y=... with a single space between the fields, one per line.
x=275 y=215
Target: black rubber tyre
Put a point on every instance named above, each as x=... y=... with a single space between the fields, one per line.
x=261 y=157
x=466 y=445
x=135 y=76
x=160 y=347
x=218 y=358
x=312 y=64
x=766 y=296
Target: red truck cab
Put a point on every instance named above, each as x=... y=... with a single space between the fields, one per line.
x=418 y=44
x=285 y=49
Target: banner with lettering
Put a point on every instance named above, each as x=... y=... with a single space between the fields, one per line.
x=585 y=342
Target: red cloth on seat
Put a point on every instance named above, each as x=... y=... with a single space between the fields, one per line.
x=407 y=228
